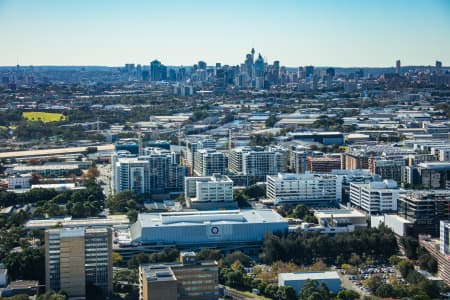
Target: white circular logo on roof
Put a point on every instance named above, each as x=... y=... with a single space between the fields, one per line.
x=214 y=230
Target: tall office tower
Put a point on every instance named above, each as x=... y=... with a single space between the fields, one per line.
x=275 y=76
x=438 y=66
x=398 y=67
x=260 y=70
x=77 y=260
x=301 y=73
x=155 y=70
x=309 y=71
x=331 y=72
x=209 y=162
x=202 y=65
x=220 y=79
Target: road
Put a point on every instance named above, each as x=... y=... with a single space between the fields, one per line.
x=105 y=178
x=49 y=152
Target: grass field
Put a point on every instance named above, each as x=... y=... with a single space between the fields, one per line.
x=43 y=116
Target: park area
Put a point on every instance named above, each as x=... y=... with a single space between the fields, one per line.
x=43 y=116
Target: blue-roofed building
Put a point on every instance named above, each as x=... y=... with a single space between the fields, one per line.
x=227 y=229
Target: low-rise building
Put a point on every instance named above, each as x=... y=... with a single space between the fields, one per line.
x=296 y=280
x=209 y=192
x=310 y=189
x=191 y=279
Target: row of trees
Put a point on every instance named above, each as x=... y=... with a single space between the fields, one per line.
x=304 y=248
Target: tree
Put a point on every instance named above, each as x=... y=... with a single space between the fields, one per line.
x=116 y=258
x=385 y=291
x=285 y=293
x=428 y=262
x=255 y=191
x=300 y=211
x=238 y=256
x=347 y=295
x=411 y=246
x=405 y=267
x=271 y=120
x=209 y=254
x=92 y=173
x=373 y=283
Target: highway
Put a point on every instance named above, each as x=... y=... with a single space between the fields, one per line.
x=49 y=152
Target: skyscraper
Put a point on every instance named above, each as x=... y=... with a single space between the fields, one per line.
x=398 y=67
x=259 y=72
x=158 y=71
x=77 y=260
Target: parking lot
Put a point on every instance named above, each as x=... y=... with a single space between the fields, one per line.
x=356 y=281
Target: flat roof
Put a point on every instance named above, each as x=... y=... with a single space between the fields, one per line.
x=309 y=275
x=43 y=152
x=250 y=216
x=110 y=220
x=338 y=213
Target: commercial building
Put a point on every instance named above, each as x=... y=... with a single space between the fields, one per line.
x=425 y=209
x=323 y=164
x=190 y=279
x=375 y=197
x=224 y=229
x=297 y=161
x=77 y=258
x=325 y=138
x=209 y=162
x=340 y=218
x=297 y=280
x=19 y=182
x=387 y=168
x=315 y=190
x=434 y=175
x=209 y=192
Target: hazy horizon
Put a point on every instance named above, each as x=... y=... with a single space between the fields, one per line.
x=347 y=33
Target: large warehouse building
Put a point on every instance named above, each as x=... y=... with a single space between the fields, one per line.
x=197 y=229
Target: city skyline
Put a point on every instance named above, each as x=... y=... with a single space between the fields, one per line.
x=322 y=33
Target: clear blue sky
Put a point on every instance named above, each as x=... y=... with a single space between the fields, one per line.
x=181 y=32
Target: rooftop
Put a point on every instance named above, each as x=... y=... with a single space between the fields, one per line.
x=254 y=216
x=309 y=275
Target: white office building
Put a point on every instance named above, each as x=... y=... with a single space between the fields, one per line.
x=209 y=192
x=317 y=190
x=375 y=197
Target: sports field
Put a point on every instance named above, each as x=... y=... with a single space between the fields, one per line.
x=43 y=116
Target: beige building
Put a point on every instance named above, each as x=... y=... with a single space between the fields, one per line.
x=188 y=280
x=76 y=258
